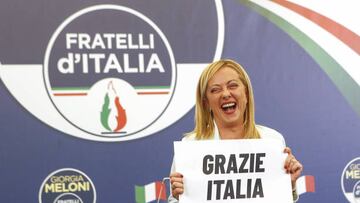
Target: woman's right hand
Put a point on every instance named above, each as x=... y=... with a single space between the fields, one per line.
x=177 y=186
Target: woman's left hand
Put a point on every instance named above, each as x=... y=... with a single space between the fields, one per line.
x=292 y=166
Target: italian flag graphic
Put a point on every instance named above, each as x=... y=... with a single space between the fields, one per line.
x=150 y=192
x=305 y=184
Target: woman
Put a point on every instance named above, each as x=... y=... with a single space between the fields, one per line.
x=225 y=110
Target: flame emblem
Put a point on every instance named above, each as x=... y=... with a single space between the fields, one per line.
x=106 y=111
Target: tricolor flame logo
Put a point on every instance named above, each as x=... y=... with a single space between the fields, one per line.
x=106 y=110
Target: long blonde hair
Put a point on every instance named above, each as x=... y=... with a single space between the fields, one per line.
x=204 y=123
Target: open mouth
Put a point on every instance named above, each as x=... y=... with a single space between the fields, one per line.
x=228 y=107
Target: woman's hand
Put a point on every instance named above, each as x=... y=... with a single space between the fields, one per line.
x=292 y=166
x=177 y=186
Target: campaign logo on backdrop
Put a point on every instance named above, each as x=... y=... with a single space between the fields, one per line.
x=350 y=181
x=67 y=185
x=106 y=79
x=109 y=72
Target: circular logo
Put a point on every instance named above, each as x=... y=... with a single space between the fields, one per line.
x=67 y=185
x=350 y=181
x=107 y=78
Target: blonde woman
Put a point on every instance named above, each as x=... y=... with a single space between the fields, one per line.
x=225 y=110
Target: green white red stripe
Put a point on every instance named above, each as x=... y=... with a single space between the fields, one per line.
x=331 y=49
x=70 y=91
x=344 y=34
x=83 y=91
x=150 y=192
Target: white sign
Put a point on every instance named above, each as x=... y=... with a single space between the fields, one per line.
x=250 y=171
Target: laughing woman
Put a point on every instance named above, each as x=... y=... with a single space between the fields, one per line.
x=225 y=110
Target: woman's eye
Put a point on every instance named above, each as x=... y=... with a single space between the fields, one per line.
x=233 y=86
x=215 y=90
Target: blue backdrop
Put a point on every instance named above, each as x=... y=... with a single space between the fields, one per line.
x=292 y=93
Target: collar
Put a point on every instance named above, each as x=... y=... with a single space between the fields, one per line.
x=216 y=132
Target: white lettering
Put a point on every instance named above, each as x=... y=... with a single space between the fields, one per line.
x=84 y=41
x=71 y=38
x=107 y=40
x=154 y=63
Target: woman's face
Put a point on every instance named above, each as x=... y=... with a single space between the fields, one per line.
x=226 y=97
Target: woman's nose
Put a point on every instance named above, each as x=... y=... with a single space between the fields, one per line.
x=226 y=94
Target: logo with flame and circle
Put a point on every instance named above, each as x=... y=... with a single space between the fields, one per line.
x=109 y=72
x=109 y=80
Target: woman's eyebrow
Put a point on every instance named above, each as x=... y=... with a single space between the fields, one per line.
x=233 y=80
x=214 y=85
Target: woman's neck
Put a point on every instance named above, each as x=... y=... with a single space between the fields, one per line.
x=231 y=132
